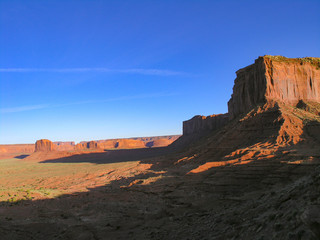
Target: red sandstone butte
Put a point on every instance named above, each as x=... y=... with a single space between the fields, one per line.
x=64 y=146
x=87 y=145
x=199 y=124
x=129 y=143
x=92 y=145
x=44 y=145
x=275 y=78
x=161 y=142
x=138 y=142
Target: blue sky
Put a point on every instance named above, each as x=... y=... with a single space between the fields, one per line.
x=83 y=70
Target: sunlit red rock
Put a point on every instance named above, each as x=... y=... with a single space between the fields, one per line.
x=87 y=145
x=44 y=145
x=64 y=146
x=275 y=78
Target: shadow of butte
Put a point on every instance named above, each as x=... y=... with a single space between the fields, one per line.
x=111 y=156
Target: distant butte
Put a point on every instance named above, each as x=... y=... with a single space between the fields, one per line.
x=44 y=145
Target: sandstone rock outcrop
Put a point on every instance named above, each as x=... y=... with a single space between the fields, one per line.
x=64 y=143
x=275 y=78
x=107 y=144
x=13 y=150
x=199 y=124
x=274 y=83
x=130 y=143
x=64 y=146
x=138 y=142
x=127 y=143
x=44 y=145
x=92 y=145
x=198 y=127
x=87 y=145
x=162 y=142
x=17 y=148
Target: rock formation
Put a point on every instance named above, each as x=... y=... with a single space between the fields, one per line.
x=198 y=127
x=64 y=143
x=275 y=78
x=92 y=145
x=129 y=143
x=64 y=146
x=161 y=142
x=44 y=145
x=13 y=150
x=108 y=144
x=17 y=148
x=199 y=124
x=271 y=88
x=22 y=150
x=138 y=142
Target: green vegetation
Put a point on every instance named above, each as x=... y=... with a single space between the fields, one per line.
x=23 y=181
x=312 y=60
x=311 y=115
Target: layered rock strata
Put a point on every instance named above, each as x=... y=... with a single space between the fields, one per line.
x=64 y=146
x=275 y=78
x=87 y=145
x=44 y=145
x=139 y=142
x=199 y=124
x=17 y=148
x=270 y=83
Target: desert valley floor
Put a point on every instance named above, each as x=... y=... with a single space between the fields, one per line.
x=94 y=196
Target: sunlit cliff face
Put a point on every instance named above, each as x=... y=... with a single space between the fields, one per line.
x=275 y=78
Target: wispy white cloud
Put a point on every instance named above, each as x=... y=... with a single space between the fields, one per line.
x=142 y=71
x=23 y=108
x=122 y=98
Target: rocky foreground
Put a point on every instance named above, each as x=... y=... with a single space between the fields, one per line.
x=253 y=173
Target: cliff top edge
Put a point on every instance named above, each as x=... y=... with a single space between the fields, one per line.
x=312 y=60
x=315 y=61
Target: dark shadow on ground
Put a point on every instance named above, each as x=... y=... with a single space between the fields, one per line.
x=113 y=156
x=22 y=156
x=312 y=128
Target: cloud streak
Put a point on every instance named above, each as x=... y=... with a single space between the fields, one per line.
x=141 y=71
x=23 y=108
x=46 y=106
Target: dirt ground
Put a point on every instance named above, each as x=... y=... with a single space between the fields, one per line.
x=92 y=196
